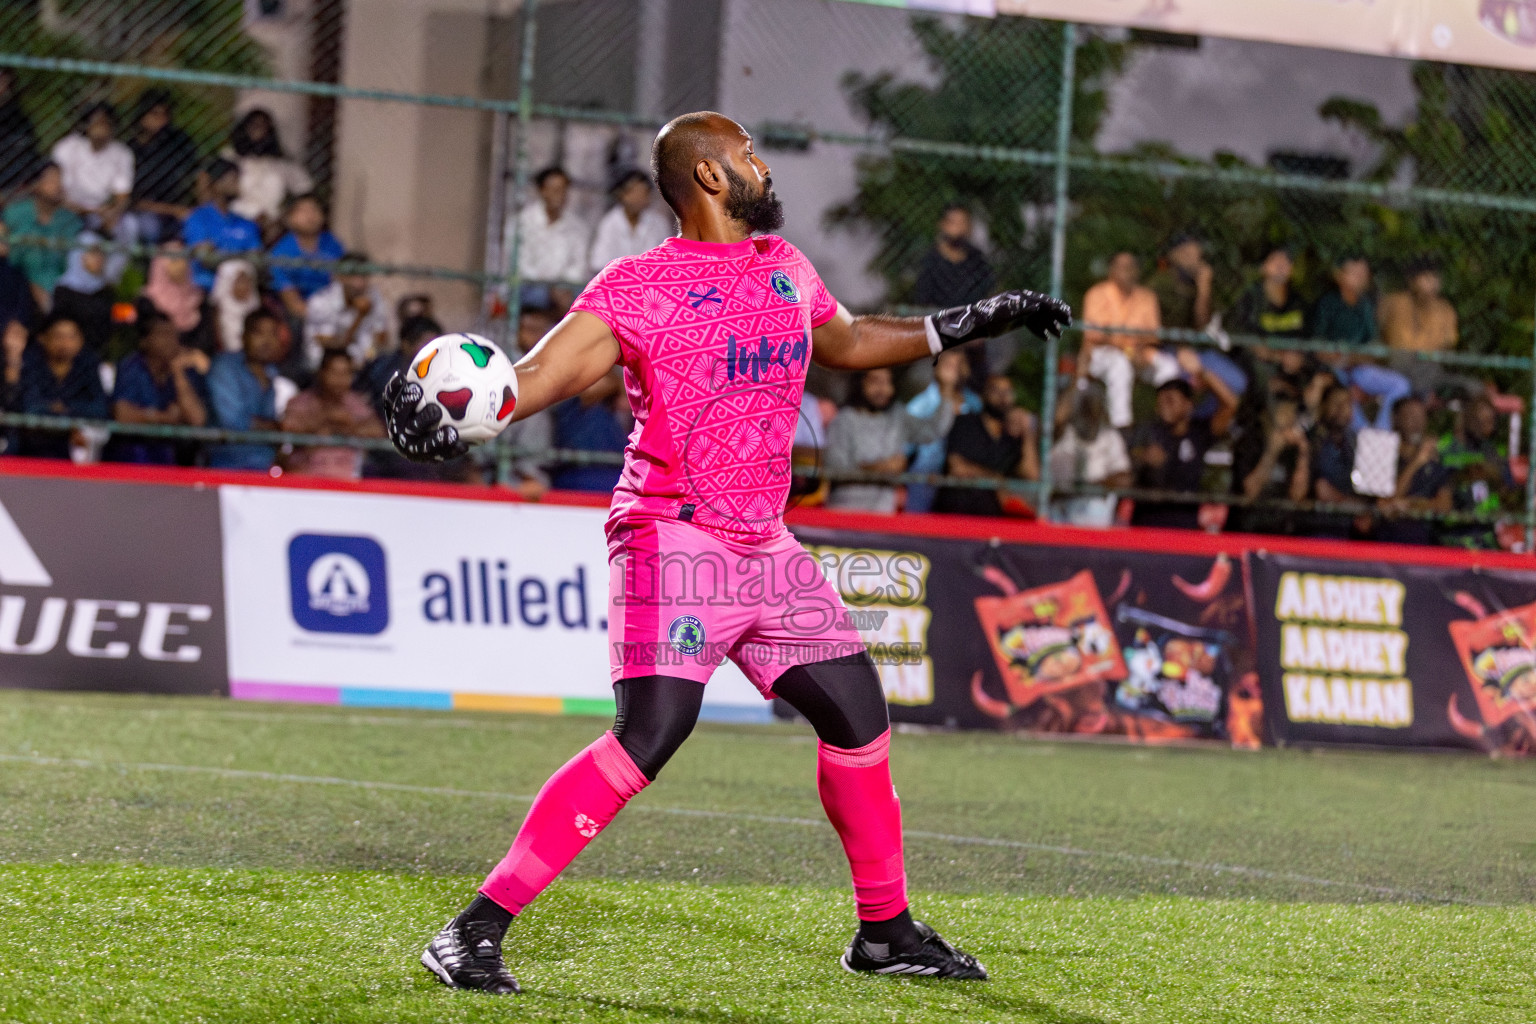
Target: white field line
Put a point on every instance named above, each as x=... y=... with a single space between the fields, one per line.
x=1405 y=895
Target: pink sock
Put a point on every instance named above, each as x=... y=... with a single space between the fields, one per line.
x=575 y=805
x=856 y=790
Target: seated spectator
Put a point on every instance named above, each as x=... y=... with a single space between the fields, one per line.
x=59 y=377
x=956 y=273
x=1332 y=444
x=415 y=304
x=348 y=315
x=164 y=163
x=632 y=225
x=234 y=297
x=871 y=435
x=1272 y=308
x=307 y=239
x=16 y=302
x=43 y=229
x=998 y=443
x=1423 y=483
x=1183 y=284
x=1169 y=453
x=268 y=177
x=18 y=137
x=84 y=294
x=536 y=432
x=330 y=406
x=1347 y=314
x=241 y=395
x=1481 y=481
x=1271 y=461
x=553 y=252
x=163 y=382
x=97 y=172
x=1088 y=452
x=1115 y=357
x=213 y=231
x=948 y=371
x=174 y=294
x=587 y=423
x=1419 y=319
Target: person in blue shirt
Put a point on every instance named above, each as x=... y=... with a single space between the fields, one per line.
x=949 y=371
x=160 y=383
x=587 y=423
x=240 y=393
x=213 y=231
x=307 y=239
x=58 y=378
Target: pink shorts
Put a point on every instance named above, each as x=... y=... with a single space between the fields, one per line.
x=680 y=600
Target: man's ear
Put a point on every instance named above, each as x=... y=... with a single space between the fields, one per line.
x=710 y=175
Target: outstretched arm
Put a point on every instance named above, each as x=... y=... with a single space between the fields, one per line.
x=569 y=359
x=847 y=342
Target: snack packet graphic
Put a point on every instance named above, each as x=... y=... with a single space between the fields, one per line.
x=1051 y=638
x=1173 y=670
x=1499 y=654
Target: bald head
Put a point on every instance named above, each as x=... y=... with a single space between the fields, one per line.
x=682 y=143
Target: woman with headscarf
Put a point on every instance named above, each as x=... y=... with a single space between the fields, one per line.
x=175 y=295
x=84 y=294
x=234 y=297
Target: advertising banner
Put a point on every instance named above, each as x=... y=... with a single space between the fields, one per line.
x=1148 y=646
x=1396 y=655
x=110 y=586
x=344 y=597
x=1496 y=33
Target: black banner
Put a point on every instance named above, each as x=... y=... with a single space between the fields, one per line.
x=1142 y=645
x=1396 y=655
x=110 y=586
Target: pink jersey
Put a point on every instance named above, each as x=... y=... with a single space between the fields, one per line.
x=715 y=341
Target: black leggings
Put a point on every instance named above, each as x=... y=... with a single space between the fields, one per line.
x=841 y=698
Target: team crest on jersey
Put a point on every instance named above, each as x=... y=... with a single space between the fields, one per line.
x=784 y=287
x=686 y=634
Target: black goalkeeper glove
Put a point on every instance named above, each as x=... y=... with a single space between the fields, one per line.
x=1008 y=311
x=413 y=431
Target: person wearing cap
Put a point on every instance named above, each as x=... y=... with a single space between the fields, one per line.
x=632 y=225
x=1182 y=285
x=213 y=231
x=1168 y=454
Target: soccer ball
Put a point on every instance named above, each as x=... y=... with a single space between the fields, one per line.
x=471 y=380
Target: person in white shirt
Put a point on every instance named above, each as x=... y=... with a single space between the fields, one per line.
x=1087 y=451
x=97 y=171
x=350 y=314
x=553 y=252
x=268 y=176
x=632 y=225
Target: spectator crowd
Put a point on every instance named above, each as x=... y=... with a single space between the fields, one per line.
x=249 y=313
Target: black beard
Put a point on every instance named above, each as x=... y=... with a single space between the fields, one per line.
x=761 y=212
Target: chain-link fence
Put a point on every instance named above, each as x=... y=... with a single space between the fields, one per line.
x=1337 y=332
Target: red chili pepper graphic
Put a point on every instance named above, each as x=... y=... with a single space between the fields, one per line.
x=1215 y=583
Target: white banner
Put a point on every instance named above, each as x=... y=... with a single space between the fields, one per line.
x=1498 y=33
x=341 y=597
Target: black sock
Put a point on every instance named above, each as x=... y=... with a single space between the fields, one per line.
x=898 y=934
x=483 y=908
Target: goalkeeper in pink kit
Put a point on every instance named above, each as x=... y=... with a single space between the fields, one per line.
x=714 y=331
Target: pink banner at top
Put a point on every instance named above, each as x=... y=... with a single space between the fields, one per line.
x=1496 y=33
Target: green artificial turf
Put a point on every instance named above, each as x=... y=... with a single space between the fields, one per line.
x=177 y=859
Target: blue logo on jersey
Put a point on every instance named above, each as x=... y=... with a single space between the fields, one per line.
x=744 y=360
x=784 y=287
x=710 y=294
x=686 y=634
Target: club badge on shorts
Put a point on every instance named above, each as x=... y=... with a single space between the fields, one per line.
x=686 y=634
x=783 y=287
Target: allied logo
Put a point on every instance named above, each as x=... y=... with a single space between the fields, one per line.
x=784 y=287
x=686 y=634
x=337 y=584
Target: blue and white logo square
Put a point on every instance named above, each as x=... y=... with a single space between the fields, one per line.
x=338 y=584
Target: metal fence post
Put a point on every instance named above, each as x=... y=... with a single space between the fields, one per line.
x=1058 y=260
x=515 y=209
x=1530 y=459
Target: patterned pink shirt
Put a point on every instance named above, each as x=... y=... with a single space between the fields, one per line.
x=715 y=341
